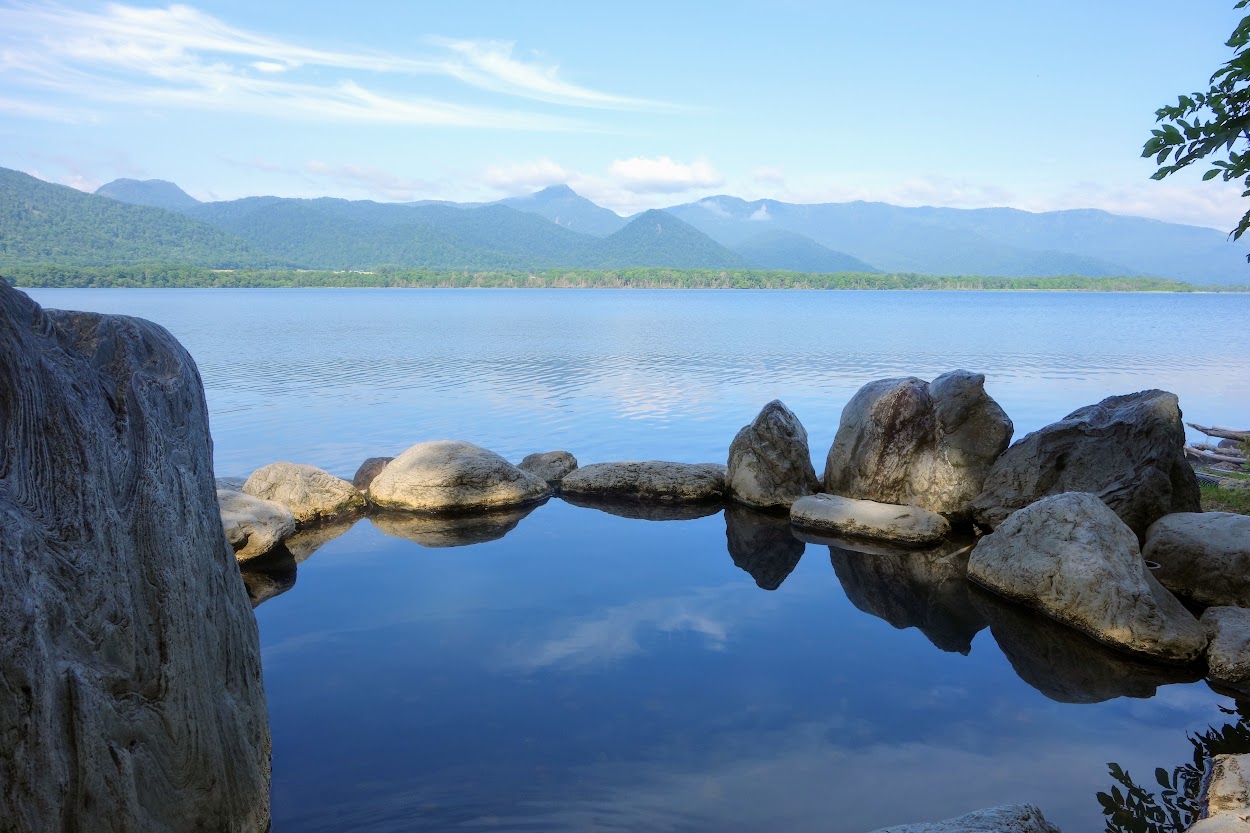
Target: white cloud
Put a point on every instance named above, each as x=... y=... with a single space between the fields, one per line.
x=526 y=175
x=663 y=175
x=180 y=56
x=760 y=214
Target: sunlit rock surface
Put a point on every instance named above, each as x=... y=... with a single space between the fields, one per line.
x=909 y=441
x=312 y=495
x=129 y=658
x=1019 y=818
x=762 y=544
x=770 y=464
x=1203 y=556
x=1228 y=655
x=868 y=519
x=1072 y=558
x=253 y=526
x=453 y=476
x=648 y=480
x=1225 y=799
x=1128 y=450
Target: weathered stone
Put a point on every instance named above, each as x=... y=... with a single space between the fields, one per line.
x=907 y=441
x=1128 y=450
x=1072 y=558
x=439 y=531
x=770 y=465
x=650 y=480
x=869 y=519
x=369 y=469
x=1203 y=556
x=1018 y=818
x=762 y=544
x=269 y=575
x=311 y=494
x=1228 y=654
x=643 y=509
x=253 y=526
x=1066 y=665
x=926 y=590
x=1225 y=799
x=453 y=476
x=129 y=657
x=552 y=466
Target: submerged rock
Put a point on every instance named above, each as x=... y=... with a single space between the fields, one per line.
x=253 y=526
x=1128 y=450
x=368 y=470
x=552 y=466
x=128 y=651
x=770 y=465
x=311 y=494
x=453 y=476
x=1017 y=818
x=439 y=531
x=1203 y=556
x=1072 y=558
x=1228 y=655
x=927 y=590
x=869 y=519
x=650 y=480
x=907 y=441
x=762 y=544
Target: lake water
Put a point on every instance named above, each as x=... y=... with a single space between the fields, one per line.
x=586 y=671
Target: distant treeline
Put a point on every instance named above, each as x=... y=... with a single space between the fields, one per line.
x=162 y=276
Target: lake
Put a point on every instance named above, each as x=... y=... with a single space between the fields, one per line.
x=584 y=671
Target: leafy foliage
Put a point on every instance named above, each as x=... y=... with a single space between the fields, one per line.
x=1211 y=123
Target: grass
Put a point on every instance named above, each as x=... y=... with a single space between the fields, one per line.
x=1215 y=499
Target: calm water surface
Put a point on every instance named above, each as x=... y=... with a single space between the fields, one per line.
x=583 y=671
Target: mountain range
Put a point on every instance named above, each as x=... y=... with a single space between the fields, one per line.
x=129 y=222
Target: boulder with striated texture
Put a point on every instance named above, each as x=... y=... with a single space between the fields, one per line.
x=1128 y=450
x=253 y=526
x=908 y=441
x=770 y=465
x=311 y=494
x=1072 y=558
x=1203 y=556
x=453 y=476
x=909 y=525
x=129 y=656
x=649 y=480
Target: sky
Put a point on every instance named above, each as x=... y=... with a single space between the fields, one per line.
x=635 y=105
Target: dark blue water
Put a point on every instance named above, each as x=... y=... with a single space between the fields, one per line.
x=592 y=672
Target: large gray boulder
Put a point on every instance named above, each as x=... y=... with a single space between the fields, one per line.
x=253 y=526
x=1202 y=556
x=910 y=525
x=770 y=464
x=129 y=658
x=1128 y=450
x=453 y=476
x=311 y=494
x=552 y=466
x=1073 y=559
x=909 y=441
x=1228 y=655
x=650 y=480
x=1018 y=818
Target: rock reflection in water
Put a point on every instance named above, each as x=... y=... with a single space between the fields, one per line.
x=268 y=575
x=1066 y=665
x=762 y=544
x=308 y=540
x=923 y=589
x=645 y=510
x=438 y=531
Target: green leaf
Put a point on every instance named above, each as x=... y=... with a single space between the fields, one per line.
x=1212 y=174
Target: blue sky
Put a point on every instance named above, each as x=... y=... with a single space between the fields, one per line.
x=636 y=105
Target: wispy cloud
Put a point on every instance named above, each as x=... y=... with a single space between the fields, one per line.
x=178 y=56
x=664 y=175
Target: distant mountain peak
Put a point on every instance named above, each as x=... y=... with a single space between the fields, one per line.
x=154 y=192
x=561 y=190
x=565 y=207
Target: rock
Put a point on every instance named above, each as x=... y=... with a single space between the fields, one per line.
x=1128 y=450
x=651 y=480
x=1072 y=558
x=926 y=590
x=311 y=494
x=642 y=509
x=869 y=519
x=439 y=531
x=1228 y=654
x=1202 y=556
x=1018 y=818
x=1233 y=483
x=453 y=476
x=368 y=470
x=129 y=657
x=269 y=575
x=307 y=541
x=770 y=465
x=1066 y=665
x=907 y=441
x=762 y=544
x=230 y=484
x=552 y=466
x=253 y=526
x=1225 y=798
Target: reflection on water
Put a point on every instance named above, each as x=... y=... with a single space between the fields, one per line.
x=762 y=544
x=642 y=509
x=272 y=574
x=436 y=531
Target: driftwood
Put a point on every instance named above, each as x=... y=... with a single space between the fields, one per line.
x=1222 y=433
x=1231 y=450
x=1209 y=457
